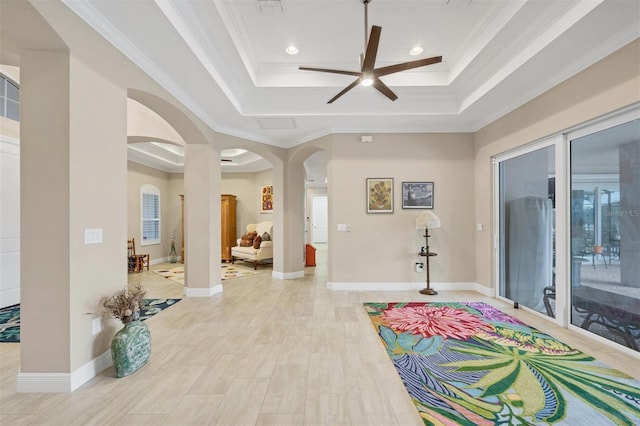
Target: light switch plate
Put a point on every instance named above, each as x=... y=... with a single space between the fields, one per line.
x=93 y=235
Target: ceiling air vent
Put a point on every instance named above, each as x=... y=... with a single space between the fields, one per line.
x=276 y=123
x=270 y=6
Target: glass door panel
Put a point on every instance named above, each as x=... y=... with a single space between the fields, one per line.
x=527 y=235
x=605 y=233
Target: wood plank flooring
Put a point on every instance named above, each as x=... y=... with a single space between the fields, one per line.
x=265 y=352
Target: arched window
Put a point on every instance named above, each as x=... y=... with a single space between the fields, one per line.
x=9 y=99
x=150 y=209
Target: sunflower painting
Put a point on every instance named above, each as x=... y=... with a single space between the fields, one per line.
x=379 y=195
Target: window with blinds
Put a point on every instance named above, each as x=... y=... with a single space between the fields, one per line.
x=150 y=215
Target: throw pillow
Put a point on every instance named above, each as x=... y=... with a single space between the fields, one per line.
x=256 y=242
x=266 y=237
x=247 y=239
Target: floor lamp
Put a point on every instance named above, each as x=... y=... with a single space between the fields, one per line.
x=426 y=220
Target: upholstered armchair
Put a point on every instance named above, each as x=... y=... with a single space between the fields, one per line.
x=255 y=245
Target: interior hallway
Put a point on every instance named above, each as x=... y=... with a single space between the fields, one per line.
x=264 y=352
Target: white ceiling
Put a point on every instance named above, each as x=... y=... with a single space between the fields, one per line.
x=226 y=61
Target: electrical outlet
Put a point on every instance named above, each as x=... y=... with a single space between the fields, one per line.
x=419 y=267
x=96 y=325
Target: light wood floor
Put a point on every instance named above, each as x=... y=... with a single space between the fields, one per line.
x=265 y=352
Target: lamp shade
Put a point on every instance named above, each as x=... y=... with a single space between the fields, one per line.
x=427 y=219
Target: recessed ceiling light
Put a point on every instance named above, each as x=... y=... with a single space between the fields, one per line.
x=292 y=50
x=415 y=51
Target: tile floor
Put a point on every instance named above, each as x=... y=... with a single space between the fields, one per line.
x=264 y=352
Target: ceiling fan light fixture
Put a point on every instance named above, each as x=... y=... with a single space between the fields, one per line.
x=369 y=75
x=366 y=81
x=291 y=50
x=416 y=50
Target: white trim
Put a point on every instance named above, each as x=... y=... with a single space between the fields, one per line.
x=150 y=189
x=287 y=275
x=91 y=369
x=563 y=231
x=10 y=140
x=62 y=382
x=526 y=148
x=400 y=286
x=612 y=119
x=202 y=292
x=496 y=160
x=164 y=259
x=43 y=382
x=609 y=343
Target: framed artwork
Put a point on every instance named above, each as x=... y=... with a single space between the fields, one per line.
x=379 y=195
x=417 y=195
x=266 y=199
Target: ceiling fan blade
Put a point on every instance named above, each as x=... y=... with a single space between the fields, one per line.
x=372 y=49
x=353 y=73
x=406 y=66
x=384 y=89
x=345 y=90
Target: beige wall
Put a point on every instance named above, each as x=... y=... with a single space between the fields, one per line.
x=608 y=85
x=97 y=184
x=173 y=219
x=171 y=185
x=62 y=130
x=143 y=124
x=137 y=176
x=383 y=247
x=246 y=186
x=243 y=186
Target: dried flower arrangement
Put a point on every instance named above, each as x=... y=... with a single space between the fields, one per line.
x=124 y=304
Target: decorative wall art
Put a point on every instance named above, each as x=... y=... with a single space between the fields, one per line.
x=266 y=199
x=379 y=195
x=417 y=195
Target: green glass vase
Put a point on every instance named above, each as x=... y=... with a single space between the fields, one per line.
x=173 y=255
x=131 y=348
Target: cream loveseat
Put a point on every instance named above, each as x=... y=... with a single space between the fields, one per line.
x=255 y=245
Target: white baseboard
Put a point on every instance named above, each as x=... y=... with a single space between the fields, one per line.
x=287 y=275
x=398 y=286
x=62 y=382
x=162 y=260
x=202 y=292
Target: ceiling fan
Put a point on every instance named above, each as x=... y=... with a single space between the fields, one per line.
x=368 y=74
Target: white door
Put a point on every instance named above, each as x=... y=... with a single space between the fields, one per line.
x=319 y=219
x=9 y=221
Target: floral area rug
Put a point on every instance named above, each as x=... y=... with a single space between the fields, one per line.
x=10 y=317
x=228 y=272
x=471 y=364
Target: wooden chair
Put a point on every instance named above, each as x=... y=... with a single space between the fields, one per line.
x=136 y=262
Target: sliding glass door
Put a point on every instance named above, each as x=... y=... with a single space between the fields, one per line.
x=605 y=233
x=527 y=229
x=567 y=241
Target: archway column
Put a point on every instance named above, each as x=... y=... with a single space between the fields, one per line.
x=289 y=221
x=73 y=197
x=202 y=181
